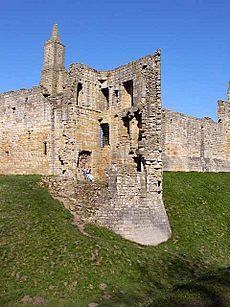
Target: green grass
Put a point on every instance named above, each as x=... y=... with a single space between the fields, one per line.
x=42 y=255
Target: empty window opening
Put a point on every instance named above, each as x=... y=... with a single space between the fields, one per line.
x=105 y=92
x=84 y=159
x=46 y=95
x=126 y=122
x=61 y=160
x=104 y=135
x=139 y=125
x=144 y=66
x=13 y=109
x=63 y=172
x=7 y=152
x=128 y=85
x=79 y=92
x=101 y=80
x=116 y=95
x=45 y=148
x=139 y=165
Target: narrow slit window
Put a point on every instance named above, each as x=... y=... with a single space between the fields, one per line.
x=45 y=148
x=139 y=125
x=138 y=162
x=79 y=92
x=104 y=135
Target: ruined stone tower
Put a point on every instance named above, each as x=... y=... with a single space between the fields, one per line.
x=136 y=210
x=53 y=71
x=111 y=121
x=108 y=120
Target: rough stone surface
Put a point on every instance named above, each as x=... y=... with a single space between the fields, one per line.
x=135 y=176
x=110 y=121
x=196 y=144
x=81 y=198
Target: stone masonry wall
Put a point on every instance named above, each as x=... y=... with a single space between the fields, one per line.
x=25 y=133
x=112 y=122
x=60 y=133
x=194 y=144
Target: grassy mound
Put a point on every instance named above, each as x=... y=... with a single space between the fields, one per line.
x=45 y=260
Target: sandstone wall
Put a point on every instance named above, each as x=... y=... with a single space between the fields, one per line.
x=109 y=121
x=194 y=144
x=25 y=132
x=136 y=210
x=44 y=135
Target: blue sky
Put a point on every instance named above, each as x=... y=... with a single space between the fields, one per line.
x=193 y=35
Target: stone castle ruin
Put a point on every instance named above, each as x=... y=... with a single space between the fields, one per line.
x=113 y=122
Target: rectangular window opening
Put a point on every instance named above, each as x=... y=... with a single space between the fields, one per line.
x=128 y=85
x=126 y=123
x=116 y=97
x=105 y=92
x=139 y=164
x=79 y=90
x=84 y=159
x=139 y=125
x=104 y=135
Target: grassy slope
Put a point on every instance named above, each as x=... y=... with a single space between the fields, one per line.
x=43 y=255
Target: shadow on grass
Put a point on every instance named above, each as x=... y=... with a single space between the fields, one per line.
x=183 y=283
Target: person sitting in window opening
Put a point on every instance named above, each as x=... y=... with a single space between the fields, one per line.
x=84 y=172
x=89 y=175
